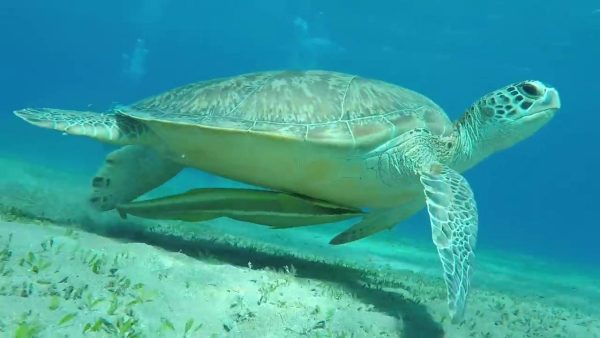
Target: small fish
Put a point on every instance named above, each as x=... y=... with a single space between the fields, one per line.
x=272 y=208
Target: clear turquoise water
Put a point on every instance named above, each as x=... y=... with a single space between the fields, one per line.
x=537 y=200
x=538 y=197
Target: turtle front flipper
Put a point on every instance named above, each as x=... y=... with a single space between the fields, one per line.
x=454 y=221
x=109 y=128
x=127 y=173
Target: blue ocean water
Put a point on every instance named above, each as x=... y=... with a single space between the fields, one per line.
x=539 y=197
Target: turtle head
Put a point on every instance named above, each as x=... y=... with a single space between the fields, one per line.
x=515 y=112
x=506 y=116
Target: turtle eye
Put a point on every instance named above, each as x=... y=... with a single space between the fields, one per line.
x=531 y=90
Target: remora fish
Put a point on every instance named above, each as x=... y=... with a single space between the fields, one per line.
x=272 y=208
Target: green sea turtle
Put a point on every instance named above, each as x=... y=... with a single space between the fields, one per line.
x=335 y=137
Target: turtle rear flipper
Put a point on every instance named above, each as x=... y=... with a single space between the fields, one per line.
x=109 y=128
x=127 y=173
x=377 y=221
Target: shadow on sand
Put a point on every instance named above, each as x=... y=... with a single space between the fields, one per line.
x=415 y=320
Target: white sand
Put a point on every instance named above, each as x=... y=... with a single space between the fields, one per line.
x=158 y=292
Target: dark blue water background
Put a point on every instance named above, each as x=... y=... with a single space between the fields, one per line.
x=540 y=197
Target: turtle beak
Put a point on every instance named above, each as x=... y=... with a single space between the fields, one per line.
x=544 y=108
x=551 y=104
x=552 y=100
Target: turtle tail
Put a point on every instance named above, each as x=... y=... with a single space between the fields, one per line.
x=109 y=128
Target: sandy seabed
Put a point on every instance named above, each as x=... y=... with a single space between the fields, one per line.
x=66 y=271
